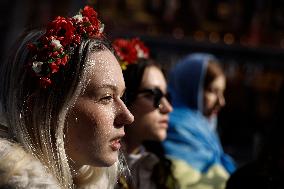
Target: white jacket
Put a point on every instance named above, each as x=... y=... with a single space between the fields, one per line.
x=19 y=169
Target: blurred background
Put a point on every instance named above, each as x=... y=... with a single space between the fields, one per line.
x=247 y=36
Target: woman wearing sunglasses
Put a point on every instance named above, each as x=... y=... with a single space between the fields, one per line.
x=147 y=99
x=197 y=84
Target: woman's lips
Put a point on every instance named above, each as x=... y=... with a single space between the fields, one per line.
x=115 y=144
x=164 y=123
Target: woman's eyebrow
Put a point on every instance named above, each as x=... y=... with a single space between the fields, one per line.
x=92 y=89
x=108 y=86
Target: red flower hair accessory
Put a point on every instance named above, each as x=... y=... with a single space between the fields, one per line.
x=52 y=50
x=129 y=51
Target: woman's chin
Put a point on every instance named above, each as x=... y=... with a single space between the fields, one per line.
x=107 y=161
x=161 y=136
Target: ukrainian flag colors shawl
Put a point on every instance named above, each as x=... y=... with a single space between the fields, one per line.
x=192 y=138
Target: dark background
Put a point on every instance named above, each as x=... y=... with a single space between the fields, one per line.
x=247 y=36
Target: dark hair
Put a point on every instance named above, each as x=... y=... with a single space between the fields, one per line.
x=133 y=76
x=163 y=169
x=213 y=70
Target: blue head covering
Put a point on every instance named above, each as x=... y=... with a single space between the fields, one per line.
x=191 y=136
x=186 y=80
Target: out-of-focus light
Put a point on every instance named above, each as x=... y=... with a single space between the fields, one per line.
x=199 y=35
x=214 y=37
x=178 y=33
x=223 y=10
x=229 y=39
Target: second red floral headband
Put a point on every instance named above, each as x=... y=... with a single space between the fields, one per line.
x=129 y=51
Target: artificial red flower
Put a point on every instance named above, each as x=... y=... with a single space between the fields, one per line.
x=130 y=51
x=54 y=54
x=64 y=60
x=54 y=66
x=138 y=43
x=61 y=29
x=77 y=39
x=125 y=50
x=91 y=14
x=44 y=82
x=52 y=49
x=87 y=28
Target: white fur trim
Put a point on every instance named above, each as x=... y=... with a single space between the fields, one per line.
x=18 y=169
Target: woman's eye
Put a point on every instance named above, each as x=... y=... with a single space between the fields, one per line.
x=106 y=99
x=149 y=96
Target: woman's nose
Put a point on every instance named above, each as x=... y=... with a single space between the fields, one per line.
x=165 y=106
x=124 y=116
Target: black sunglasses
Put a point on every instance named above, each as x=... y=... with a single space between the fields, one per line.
x=157 y=95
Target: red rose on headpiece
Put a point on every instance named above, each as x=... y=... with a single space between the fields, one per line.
x=61 y=29
x=142 y=50
x=129 y=51
x=91 y=14
x=125 y=50
x=88 y=25
x=53 y=67
x=44 y=82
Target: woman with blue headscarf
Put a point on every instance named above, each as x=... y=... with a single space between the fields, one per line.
x=197 y=84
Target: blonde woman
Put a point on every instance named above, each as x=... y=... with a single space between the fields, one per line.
x=62 y=115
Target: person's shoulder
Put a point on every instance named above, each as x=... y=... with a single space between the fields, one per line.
x=142 y=169
x=146 y=161
x=19 y=169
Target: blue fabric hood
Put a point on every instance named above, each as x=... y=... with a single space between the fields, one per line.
x=192 y=137
x=186 y=80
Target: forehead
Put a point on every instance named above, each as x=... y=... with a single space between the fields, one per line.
x=153 y=77
x=103 y=68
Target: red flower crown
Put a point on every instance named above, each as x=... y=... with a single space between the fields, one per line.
x=52 y=50
x=129 y=51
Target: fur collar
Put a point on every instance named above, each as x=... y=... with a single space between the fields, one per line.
x=19 y=169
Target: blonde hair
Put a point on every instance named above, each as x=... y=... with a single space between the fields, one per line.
x=36 y=117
